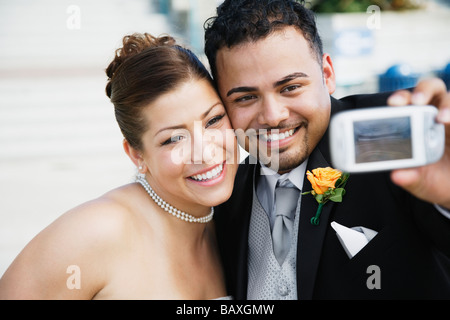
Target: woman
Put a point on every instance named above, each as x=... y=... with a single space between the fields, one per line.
x=152 y=239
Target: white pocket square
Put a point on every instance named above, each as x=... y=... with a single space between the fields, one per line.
x=353 y=239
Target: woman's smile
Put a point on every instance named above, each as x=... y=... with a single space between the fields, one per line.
x=210 y=176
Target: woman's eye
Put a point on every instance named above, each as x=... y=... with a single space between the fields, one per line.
x=214 y=120
x=172 y=140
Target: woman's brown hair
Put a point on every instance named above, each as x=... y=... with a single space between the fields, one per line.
x=145 y=68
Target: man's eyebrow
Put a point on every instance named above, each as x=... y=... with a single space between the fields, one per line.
x=240 y=89
x=290 y=77
x=286 y=79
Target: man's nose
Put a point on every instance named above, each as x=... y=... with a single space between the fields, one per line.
x=272 y=112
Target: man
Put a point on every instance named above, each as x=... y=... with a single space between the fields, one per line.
x=266 y=58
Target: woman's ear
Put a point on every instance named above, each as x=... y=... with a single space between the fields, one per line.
x=135 y=156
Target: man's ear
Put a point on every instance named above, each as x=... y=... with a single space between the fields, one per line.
x=135 y=156
x=328 y=73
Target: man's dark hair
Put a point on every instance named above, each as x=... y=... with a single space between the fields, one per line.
x=240 y=21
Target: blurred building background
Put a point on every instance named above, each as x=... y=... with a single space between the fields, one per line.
x=59 y=142
x=384 y=45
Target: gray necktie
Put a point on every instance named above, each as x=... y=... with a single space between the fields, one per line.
x=286 y=202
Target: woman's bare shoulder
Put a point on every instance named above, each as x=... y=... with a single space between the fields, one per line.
x=105 y=214
x=94 y=221
x=88 y=236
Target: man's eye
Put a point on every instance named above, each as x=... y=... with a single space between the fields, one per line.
x=214 y=120
x=290 y=88
x=245 y=98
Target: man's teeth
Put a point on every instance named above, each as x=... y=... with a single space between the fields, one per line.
x=212 y=174
x=278 y=136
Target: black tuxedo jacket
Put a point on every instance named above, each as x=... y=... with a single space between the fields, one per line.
x=411 y=249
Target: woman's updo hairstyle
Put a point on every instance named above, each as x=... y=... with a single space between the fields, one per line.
x=145 y=68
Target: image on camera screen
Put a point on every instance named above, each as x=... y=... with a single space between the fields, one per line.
x=382 y=140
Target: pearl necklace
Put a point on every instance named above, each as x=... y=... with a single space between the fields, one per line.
x=167 y=207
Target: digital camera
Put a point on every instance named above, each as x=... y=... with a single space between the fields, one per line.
x=386 y=138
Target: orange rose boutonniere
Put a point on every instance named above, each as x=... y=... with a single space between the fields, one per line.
x=327 y=184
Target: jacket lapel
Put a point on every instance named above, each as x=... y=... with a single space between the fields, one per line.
x=238 y=228
x=311 y=237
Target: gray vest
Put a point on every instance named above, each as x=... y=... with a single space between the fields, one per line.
x=267 y=280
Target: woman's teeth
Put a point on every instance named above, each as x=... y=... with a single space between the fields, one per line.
x=211 y=174
x=278 y=136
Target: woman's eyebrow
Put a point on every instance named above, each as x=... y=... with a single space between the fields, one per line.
x=183 y=126
x=176 y=127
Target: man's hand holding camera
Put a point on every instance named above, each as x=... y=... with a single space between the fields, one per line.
x=431 y=182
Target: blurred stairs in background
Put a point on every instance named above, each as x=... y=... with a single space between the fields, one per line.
x=52 y=59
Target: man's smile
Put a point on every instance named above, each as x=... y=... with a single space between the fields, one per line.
x=276 y=135
x=279 y=138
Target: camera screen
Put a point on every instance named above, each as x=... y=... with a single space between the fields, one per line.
x=382 y=139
